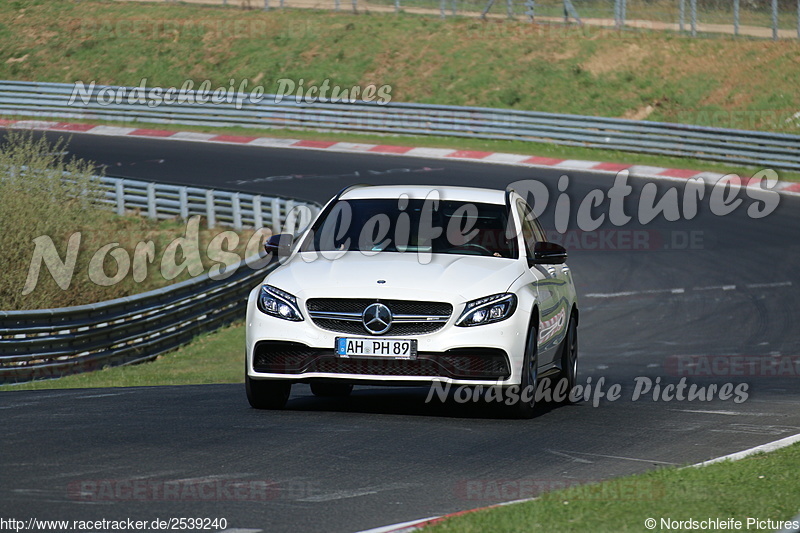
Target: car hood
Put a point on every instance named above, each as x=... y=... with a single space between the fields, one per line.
x=446 y=277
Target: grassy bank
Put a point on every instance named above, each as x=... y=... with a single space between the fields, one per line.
x=644 y=75
x=763 y=486
x=62 y=247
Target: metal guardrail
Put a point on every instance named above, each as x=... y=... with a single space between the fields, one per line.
x=776 y=150
x=235 y=209
x=51 y=343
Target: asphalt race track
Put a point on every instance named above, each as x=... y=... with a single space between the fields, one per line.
x=711 y=287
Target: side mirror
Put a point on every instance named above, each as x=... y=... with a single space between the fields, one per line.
x=548 y=253
x=279 y=246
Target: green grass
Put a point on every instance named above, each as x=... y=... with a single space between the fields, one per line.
x=216 y=357
x=725 y=82
x=738 y=83
x=763 y=486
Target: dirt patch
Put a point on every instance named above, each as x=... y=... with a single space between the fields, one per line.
x=33 y=36
x=639 y=114
x=614 y=59
x=17 y=59
x=402 y=68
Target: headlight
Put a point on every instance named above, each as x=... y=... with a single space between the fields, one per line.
x=278 y=303
x=488 y=310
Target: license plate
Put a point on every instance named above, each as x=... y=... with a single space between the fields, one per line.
x=376 y=347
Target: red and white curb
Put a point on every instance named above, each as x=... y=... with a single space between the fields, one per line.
x=500 y=158
x=416 y=525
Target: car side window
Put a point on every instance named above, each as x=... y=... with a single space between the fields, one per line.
x=538 y=231
x=528 y=229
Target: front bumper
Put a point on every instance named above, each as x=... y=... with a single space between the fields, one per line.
x=296 y=359
x=301 y=351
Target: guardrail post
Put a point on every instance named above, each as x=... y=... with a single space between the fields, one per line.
x=152 y=211
x=276 y=215
x=454 y=6
x=305 y=217
x=355 y=6
x=119 y=186
x=211 y=214
x=530 y=10
x=184 y=199
x=489 y=6
x=258 y=217
x=442 y=8
x=774 y=20
x=570 y=11
x=693 y=9
x=237 y=211
x=290 y=222
x=736 y=17
x=336 y=5
x=681 y=15
x=623 y=12
x=266 y=5
x=510 y=8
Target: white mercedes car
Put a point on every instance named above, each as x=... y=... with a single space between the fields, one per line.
x=414 y=285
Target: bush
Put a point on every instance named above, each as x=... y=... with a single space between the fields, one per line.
x=41 y=193
x=46 y=197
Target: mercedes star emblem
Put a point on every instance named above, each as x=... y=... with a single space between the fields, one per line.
x=377 y=318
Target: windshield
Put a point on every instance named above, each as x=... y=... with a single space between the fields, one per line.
x=408 y=225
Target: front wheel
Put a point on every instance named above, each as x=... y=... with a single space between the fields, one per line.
x=569 y=358
x=267 y=393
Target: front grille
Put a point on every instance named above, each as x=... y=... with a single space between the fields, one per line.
x=463 y=363
x=378 y=367
x=399 y=307
x=409 y=317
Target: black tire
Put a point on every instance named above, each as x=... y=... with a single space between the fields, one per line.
x=569 y=358
x=530 y=378
x=267 y=393
x=327 y=390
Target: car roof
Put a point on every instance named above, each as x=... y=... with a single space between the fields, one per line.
x=445 y=192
